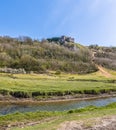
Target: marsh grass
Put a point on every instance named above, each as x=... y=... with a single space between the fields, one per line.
x=45 y=85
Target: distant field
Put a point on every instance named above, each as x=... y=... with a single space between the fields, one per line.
x=33 y=85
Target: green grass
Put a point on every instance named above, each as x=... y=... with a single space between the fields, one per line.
x=33 y=85
x=55 y=118
x=18 y=118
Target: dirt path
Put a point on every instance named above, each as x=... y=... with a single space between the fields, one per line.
x=22 y=125
x=104 y=72
x=103 y=123
x=101 y=69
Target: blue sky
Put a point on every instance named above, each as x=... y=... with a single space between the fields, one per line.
x=88 y=21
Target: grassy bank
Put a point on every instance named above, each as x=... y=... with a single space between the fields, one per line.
x=47 y=85
x=51 y=120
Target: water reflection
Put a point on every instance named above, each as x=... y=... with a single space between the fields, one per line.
x=6 y=109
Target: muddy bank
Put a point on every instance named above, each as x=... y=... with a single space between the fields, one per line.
x=68 y=98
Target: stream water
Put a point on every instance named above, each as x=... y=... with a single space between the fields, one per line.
x=54 y=106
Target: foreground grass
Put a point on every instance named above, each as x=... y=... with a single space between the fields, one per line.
x=55 y=118
x=34 y=85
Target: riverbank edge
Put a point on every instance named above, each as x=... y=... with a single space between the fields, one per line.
x=21 y=101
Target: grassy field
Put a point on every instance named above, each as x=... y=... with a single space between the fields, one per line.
x=51 y=84
x=52 y=120
x=34 y=85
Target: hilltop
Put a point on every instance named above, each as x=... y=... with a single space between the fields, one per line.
x=57 y=54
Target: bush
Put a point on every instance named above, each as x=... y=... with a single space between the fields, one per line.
x=21 y=94
x=58 y=72
x=4 y=92
x=90 y=92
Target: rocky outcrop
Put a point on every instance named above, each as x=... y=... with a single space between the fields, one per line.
x=64 y=39
x=61 y=40
x=13 y=71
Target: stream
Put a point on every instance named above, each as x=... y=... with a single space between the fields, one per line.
x=54 y=106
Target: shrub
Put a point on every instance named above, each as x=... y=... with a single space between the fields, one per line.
x=4 y=92
x=58 y=72
x=21 y=94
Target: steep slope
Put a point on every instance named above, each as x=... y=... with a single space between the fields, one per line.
x=104 y=56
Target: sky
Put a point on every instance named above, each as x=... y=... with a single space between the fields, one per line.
x=88 y=21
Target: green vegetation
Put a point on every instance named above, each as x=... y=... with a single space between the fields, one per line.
x=25 y=117
x=58 y=53
x=104 y=56
x=55 y=118
x=40 y=56
x=50 y=68
x=54 y=84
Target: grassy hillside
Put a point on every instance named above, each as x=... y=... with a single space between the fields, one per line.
x=104 y=56
x=40 y=56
